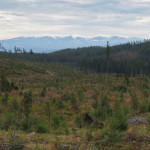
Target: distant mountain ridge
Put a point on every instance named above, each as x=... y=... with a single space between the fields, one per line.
x=51 y=44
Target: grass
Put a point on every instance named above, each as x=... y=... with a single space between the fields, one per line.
x=70 y=94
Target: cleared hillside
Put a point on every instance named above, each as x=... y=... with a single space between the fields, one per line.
x=68 y=108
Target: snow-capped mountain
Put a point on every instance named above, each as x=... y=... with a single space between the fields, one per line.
x=50 y=44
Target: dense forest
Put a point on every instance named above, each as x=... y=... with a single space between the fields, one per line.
x=130 y=58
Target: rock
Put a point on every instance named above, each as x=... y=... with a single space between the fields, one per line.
x=137 y=121
x=32 y=133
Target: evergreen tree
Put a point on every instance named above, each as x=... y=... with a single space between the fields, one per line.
x=107 y=56
x=27 y=105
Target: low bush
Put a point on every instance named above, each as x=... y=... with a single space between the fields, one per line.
x=28 y=126
x=119 y=121
x=42 y=126
x=43 y=93
x=58 y=121
x=4 y=100
x=79 y=121
x=9 y=120
x=143 y=107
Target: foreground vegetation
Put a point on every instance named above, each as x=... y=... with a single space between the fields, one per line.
x=43 y=106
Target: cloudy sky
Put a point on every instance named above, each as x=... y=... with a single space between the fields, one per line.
x=87 y=18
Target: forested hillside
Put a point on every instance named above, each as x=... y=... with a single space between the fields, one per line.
x=130 y=58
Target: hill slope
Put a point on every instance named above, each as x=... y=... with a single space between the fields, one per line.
x=131 y=58
x=69 y=108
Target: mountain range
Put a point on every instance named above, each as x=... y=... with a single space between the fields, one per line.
x=51 y=44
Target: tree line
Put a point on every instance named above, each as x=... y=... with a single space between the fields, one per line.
x=131 y=58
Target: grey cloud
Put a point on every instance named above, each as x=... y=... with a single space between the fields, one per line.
x=83 y=17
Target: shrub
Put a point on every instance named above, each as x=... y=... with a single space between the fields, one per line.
x=121 y=88
x=66 y=97
x=42 y=126
x=79 y=121
x=15 y=142
x=95 y=104
x=89 y=135
x=43 y=92
x=9 y=120
x=81 y=95
x=5 y=99
x=143 y=107
x=59 y=103
x=103 y=109
x=121 y=96
x=119 y=121
x=28 y=125
x=73 y=99
x=134 y=101
x=5 y=86
x=145 y=93
x=58 y=121
x=48 y=110
x=1 y=124
x=27 y=105
x=14 y=105
x=14 y=86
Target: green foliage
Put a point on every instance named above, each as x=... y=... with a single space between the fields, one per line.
x=58 y=121
x=5 y=86
x=14 y=86
x=59 y=103
x=145 y=93
x=66 y=97
x=121 y=88
x=95 y=104
x=5 y=99
x=112 y=136
x=107 y=56
x=79 y=121
x=119 y=121
x=42 y=126
x=126 y=78
x=73 y=99
x=43 y=92
x=81 y=95
x=143 y=107
x=134 y=101
x=28 y=125
x=92 y=59
x=27 y=105
x=9 y=120
x=40 y=148
x=48 y=110
x=103 y=109
x=15 y=142
x=14 y=105
x=121 y=96
x=89 y=135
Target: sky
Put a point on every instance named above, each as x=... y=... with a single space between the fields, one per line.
x=85 y=18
